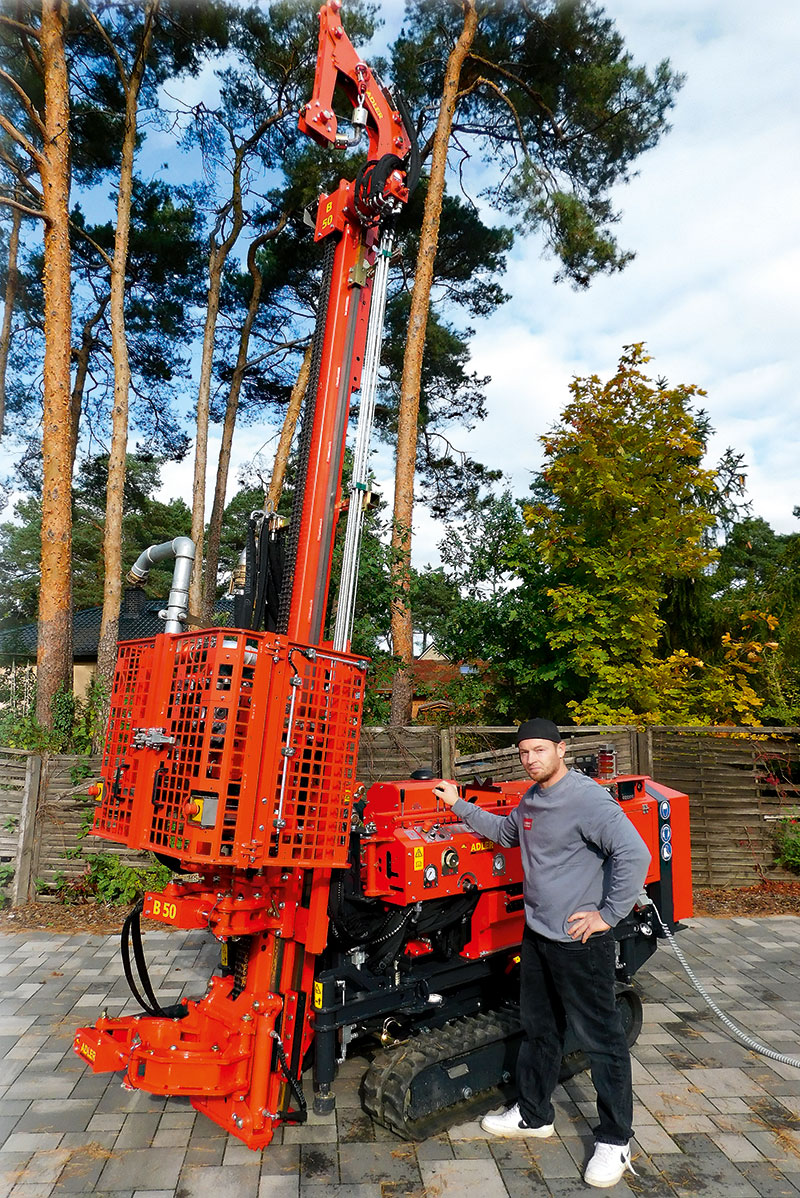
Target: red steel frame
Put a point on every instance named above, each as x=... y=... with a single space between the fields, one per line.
x=235 y=752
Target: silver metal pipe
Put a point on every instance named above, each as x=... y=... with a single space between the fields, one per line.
x=345 y=607
x=181 y=549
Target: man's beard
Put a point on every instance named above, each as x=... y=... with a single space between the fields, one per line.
x=548 y=775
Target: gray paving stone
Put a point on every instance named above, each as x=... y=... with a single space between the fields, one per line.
x=551 y=1159
x=138 y=1130
x=281 y=1159
x=232 y=1181
x=378 y=1163
x=12 y=1167
x=437 y=1148
x=770 y=1181
x=205 y=1152
x=140 y=1168
x=326 y=1191
x=43 y=1167
x=712 y=1173
x=470 y=1149
x=319 y=1163
x=40 y=1085
x=82 y=1171
x=57 y=1114
x=458 y=1177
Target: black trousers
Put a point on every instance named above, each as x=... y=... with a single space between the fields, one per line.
x=573 y=983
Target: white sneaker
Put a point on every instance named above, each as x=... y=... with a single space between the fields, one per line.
x=511 y=1123
x=608 y=1165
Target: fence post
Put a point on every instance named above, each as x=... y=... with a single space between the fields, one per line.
x=644 y=752
x=20 y=890
x=447 y=747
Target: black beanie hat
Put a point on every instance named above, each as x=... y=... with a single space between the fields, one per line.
x=539 y=730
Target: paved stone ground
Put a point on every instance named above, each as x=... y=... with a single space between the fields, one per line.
x=712 y=1117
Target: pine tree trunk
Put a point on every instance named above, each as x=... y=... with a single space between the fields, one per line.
x=81 y=358
x=287 y=433
x=408 y=415
x=117 y=458
x=216 y=262
x=229 y=424
x=10 y=298
x=54 y=655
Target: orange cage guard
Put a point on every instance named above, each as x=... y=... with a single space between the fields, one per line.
x=227 y=747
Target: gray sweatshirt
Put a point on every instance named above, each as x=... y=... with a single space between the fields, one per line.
x=580 y=852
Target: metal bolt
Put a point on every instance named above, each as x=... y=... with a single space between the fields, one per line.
x=281 y=906
x=238 y=1122
x=467 y=1092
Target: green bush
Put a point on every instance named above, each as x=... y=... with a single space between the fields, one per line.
x=107 y=879
x=6 y=874
x=787 y=841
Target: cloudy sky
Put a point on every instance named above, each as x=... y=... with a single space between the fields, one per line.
x=714 y=289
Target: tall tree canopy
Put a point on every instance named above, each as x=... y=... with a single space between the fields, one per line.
x=574 y=580
x=548 y=96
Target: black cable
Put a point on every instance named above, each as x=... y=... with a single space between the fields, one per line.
x=414 y=158
x=132 y=921
x=243 y=604
x=132 y=934
x=301 y=1115
x=304 y=450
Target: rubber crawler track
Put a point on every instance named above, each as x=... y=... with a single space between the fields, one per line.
x=387 y=1083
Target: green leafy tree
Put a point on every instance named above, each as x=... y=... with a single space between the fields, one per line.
x=623 y=509
x=547 y=94
x=566 y=597
x=147 y=521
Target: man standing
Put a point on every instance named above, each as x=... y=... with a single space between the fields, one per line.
x=584 y=866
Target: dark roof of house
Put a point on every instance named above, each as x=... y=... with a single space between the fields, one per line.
x=138 y=619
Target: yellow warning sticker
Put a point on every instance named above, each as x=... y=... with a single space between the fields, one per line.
x=318 y=995
x=224 y=956
x=419 y=857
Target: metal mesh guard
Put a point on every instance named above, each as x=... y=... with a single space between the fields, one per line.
x=129 y=692
x=260 y=749
x=311 y=821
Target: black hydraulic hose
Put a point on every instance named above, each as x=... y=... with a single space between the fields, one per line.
x=243 y=604
x=132 y=936
x=132 y=931
x=414 y=158
x=304 y=450
x=300 y=1115
x=262 y=573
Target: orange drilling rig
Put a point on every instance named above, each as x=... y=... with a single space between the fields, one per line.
x=232 y=753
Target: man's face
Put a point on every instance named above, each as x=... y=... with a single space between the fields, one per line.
x=542 y=759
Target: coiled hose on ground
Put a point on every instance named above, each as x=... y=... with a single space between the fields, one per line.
x=730 y=1025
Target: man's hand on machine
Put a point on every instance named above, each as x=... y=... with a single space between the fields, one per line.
x=586 y=922
x=447 y=792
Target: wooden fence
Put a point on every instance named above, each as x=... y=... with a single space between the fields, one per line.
x=740 y=781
